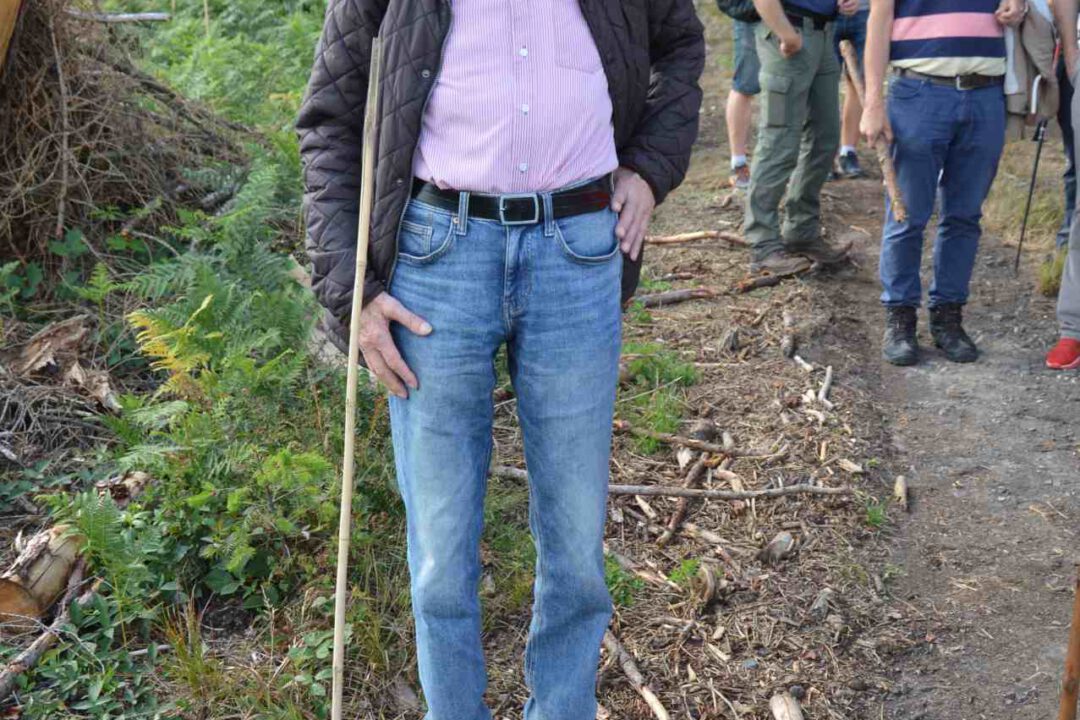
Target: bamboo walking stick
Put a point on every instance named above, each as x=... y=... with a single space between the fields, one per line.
x=367 y=192
x=1071 y=682
x=851 y=64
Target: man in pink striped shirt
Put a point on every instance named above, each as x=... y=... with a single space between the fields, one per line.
x=540 y=134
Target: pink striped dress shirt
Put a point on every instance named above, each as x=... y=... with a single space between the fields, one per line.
x=521 y=103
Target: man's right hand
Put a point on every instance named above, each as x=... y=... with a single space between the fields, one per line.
x=790 y=43
x=377 y=344
x=875 y=125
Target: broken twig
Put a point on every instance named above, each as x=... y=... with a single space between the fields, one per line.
x=672 y=297
x=633 y=674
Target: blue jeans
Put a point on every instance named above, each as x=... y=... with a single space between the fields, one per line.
x=550 y=293
x=747 y=67
x=945 y=139
x=852 y=28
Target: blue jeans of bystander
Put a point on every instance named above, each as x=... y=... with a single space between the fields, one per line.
x=949 y=139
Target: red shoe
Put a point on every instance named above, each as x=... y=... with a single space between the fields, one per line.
x=1065 y=355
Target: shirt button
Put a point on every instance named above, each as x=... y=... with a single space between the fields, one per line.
x=525 y=109
x=425 y=73
x=399 y=181
x=523 y=52
x=523 y=167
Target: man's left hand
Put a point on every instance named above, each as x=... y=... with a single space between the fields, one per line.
x=634 y=201
x=848 y=7
x=1011 y=12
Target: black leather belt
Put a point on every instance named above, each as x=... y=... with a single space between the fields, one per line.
x=519 y=208
x=960 y=82
x=818 y=21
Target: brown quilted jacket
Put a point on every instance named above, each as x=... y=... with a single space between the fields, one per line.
x=653 y=52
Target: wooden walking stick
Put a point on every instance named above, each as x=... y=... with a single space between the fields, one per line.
x=1071 y=682
x=851 y=64
x=367 y=193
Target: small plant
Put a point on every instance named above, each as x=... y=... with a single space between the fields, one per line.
x=659 y=411
x=654 y=366
x=649 y=284
x=622 y=585
x=876 y=515
x=686 y=571
x=1050 y=272
x=636 y=314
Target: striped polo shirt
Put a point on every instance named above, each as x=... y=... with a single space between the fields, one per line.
x=948 y=37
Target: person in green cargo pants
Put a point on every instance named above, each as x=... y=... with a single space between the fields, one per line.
x=798 y=134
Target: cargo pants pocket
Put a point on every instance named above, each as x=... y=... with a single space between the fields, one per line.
x=777 y=110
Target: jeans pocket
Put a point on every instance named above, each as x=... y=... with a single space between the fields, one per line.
x=425 y=235
x=776 y=111
x=902 y=88
x=589 y=239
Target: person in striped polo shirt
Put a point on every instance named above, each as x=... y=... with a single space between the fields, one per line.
x=946 y=123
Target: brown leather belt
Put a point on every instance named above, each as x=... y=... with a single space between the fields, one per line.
x=520 y=208
x=960 y=82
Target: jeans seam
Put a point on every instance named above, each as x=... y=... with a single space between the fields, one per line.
x=538 y=612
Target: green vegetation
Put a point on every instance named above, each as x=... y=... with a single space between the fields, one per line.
x=1050 y=273
x=656 y=380
x=876 y=514
x=686 y=571
x=622 y=585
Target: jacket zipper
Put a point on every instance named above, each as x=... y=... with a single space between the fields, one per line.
x=423 y=112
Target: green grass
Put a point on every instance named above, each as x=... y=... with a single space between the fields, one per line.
x=876 y=514
x=686 y=572
x=656 y=366
x=1050 y=273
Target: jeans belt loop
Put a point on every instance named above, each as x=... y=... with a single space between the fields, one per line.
x=462 y=220
x=549 y=214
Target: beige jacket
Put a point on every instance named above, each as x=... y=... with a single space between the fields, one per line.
x=1030 y=54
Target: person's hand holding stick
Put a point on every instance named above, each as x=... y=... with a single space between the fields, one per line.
x=880 y=135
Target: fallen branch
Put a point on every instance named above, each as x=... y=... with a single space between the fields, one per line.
x=30 y=656
x=693 y=478
x=669 y=491
x=672 y=297
x=633 y=674
x=826 y=386
x=764 y=281
x=728 y=237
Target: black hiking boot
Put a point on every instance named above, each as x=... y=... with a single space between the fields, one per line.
x=949 y=335
x=900 y=346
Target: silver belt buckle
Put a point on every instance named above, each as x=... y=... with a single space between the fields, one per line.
x=519 y=196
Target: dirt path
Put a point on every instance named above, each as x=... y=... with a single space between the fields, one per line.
x=984 y=561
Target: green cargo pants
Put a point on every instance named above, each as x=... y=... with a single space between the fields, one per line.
x=798 y=135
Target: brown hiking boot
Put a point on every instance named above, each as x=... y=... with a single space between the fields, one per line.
x=781 y=262
x=825 y=253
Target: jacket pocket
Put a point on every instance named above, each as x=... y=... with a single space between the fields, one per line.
x=777 y=105
x=575 y=48
x=590 y=238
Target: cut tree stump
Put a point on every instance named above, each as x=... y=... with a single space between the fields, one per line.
x=37 y=578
